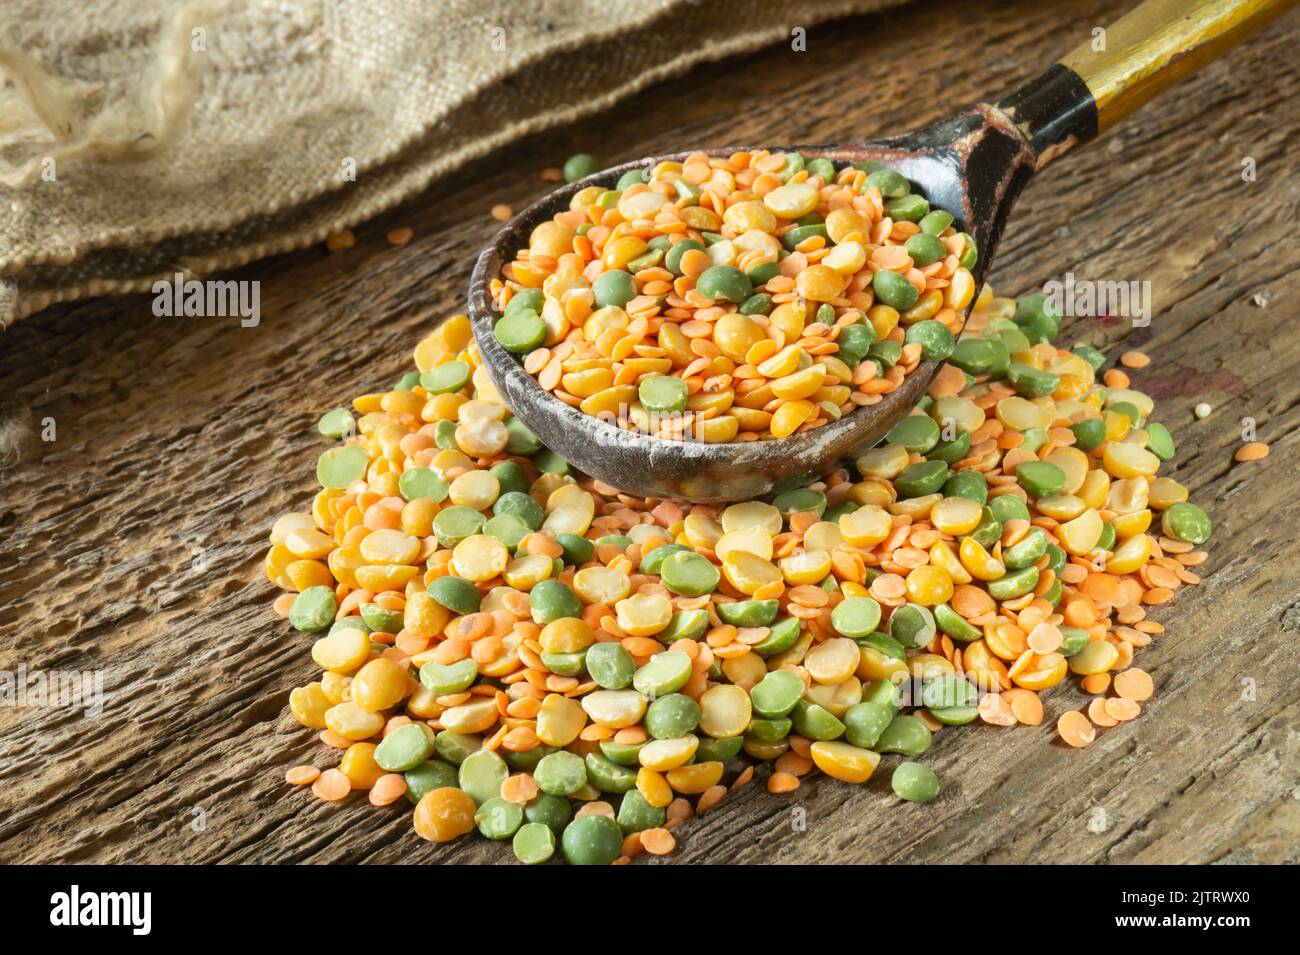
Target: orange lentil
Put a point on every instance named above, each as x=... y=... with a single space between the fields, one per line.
x=658 y=842
x=519 y=789
x=331 y=785
x=597 y=807
x=1134 y=359
x=1121 y=709
x=301 y=775
x=1075 y=729
x=388 y=788
x=1097 y=713
x=710 y=798
x=1096 y=682
x=782 y=783
x=1025 y=705
x=1252 y=451
x=1134 y=684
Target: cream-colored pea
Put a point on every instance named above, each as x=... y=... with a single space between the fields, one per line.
x=343 y=651
x=1020 y=414
x=528 y=571
x=615 y=708
x=962 y=412
x=842 y=223
x=352 y=722
x=701 y=530
x=824 y=535
x=568 y=520
x=307 y=543
x=1165 y=493
x=389 y=546
x=664 y=754
x=747 y=215
x=498 y=598
x=643 y=615
x=832 y=661
x=747 y=572
x=1074 y=463
x=885 y=462
x=867 y=526
x=1061 y=507
x=603 y=320
x=725 y=710
x=643 y=532
x=785 y=362
x=917 y=508
x=1142 y=402
x=740 y=517
x=956 y=515
x=476 y=489
x=1130 y=555
x=641 y=205
x=1124 y=460
x=846 y=258
x=472 y=717
x=567 y=494
x=449 y=459
x=836 y=698
x=722 y=253
x=560 y=720
x=293 y=521
x=480 y=557
x=601 y=585
x=745 y=671
x=792 y=200
x=1097 y=657
x=1080 y=535
x=765 y=246
x=1095 y=488
x=336 y=687
x=1128 y=496
x=477 y=409
x=482 y=437
x=808 y=567
x=836 y=370
x=927 y=666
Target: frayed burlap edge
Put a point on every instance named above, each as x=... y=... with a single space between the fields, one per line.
x=133 y=269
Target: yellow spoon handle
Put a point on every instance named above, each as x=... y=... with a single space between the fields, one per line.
x=1159 y=43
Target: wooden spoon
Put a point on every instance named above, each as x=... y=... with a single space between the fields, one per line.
x=973 y=165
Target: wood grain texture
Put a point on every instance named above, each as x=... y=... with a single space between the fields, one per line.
x=177 y=434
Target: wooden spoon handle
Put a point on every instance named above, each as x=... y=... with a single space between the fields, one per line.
x=1160 y=43
x=1154 y=46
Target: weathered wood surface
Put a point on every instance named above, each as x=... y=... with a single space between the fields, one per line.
x=181 y=434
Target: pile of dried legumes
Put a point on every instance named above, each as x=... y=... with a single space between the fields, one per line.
x=736 y=298
x=519 y=649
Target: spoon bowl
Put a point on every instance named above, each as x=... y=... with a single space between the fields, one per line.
x=937 y=160
x=972 y=165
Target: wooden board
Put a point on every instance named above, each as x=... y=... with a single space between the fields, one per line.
x=185 y=438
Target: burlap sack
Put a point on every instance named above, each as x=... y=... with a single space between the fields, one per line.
x=142 y=137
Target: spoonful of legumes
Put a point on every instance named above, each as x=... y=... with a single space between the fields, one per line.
x=714 y=325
